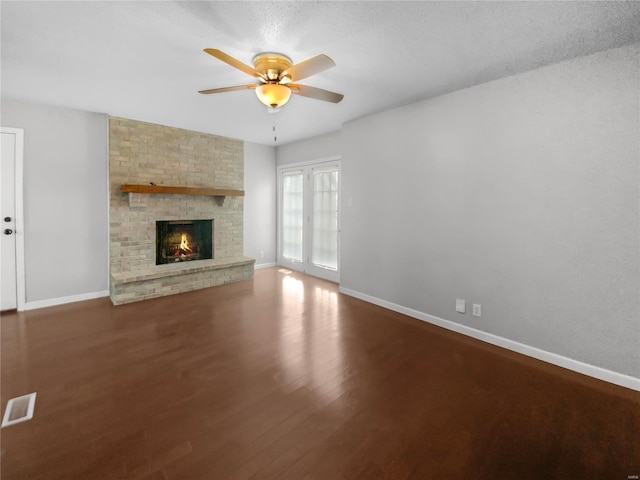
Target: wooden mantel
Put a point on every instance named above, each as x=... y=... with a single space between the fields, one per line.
x=173 y=190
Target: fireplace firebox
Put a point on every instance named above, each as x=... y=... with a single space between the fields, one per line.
x=183 y=240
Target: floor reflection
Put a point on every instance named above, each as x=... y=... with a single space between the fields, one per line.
x=310 y=349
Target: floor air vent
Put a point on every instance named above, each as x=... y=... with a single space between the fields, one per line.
x=19 y=409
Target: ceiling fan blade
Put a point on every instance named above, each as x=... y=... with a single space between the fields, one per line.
x=316 y=93
x=229 y=89
x=308 y=67
x=228 y=59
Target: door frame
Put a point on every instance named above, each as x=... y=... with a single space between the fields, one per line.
x=19 y=220
x=307 y=214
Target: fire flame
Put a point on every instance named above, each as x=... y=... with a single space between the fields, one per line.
x=184 y=247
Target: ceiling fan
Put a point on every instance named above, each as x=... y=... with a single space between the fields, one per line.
x=277 y=76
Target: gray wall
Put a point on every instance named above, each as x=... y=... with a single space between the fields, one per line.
x=65 y=199
x=316 y=148
x=519 y=194
x=260 y=202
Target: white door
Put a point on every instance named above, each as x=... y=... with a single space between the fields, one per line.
x=309 y=220
x=10 y=175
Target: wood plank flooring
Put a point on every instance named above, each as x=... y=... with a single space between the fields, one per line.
x=281 y=377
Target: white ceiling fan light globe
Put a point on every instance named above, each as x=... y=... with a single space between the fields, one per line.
x=273 y=95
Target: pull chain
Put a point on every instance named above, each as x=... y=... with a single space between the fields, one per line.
x=275 y=134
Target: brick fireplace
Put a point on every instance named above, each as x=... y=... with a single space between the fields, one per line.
x=144 y=154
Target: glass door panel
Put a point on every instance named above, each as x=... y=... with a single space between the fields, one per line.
x=293 y=216
x=324 y=252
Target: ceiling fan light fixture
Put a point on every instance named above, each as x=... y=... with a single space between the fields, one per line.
x=273 y=95
x=278 y=77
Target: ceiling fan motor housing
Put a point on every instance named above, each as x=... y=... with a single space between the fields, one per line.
x=271 y=64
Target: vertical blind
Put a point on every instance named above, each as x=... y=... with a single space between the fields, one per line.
x=292 y=216
x=324 y=251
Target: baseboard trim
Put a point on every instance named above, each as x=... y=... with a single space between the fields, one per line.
x=264 y=265
x=62 y=300
x=549 y=357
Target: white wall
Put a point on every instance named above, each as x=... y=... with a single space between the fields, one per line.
x=316 y=148
x=65 y=200
x=260 y=203
x=521 y=194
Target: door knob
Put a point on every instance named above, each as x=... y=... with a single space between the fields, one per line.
x=8 y=231
x=7 y=219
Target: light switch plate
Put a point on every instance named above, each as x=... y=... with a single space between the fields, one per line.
x=461 y=305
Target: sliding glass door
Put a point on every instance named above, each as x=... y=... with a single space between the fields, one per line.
x=309 y=220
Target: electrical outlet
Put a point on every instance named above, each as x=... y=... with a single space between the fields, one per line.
x=461 y=305
x=261 y=254
x=477 y=310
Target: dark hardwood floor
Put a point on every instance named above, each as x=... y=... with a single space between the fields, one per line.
x=281 y=377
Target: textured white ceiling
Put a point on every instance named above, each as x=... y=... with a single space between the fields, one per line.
x=144 y=60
